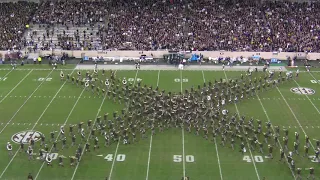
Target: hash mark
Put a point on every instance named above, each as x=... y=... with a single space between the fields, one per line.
x=18 y=124
x=69 y=96
x=295 y=127
x=12 y=123
x=41 y=124
x=52 y=124
x=30 y=124
x=64 y=96
x=312 y=127
x=46 y=124
x=44 y=96
x=10 y=96
x=288 y=98
x=20 y=96
x=59 y=96
x=289 y=126
x=307 y=127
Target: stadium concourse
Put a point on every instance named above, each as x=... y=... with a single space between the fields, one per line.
x=235 y=25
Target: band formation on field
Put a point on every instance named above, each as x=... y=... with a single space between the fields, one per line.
x=200 y=110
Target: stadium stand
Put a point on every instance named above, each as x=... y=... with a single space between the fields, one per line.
x=152 y=25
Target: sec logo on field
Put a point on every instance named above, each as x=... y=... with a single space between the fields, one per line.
x=25 y=136
x=303 y=90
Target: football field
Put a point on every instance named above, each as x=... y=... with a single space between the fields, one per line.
x=34 y=101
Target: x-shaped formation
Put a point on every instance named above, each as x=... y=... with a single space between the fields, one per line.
x=199 y=110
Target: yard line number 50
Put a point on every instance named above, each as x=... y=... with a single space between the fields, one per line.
x=178 y=158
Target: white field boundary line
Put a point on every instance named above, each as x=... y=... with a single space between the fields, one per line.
x=183 y=150
x=14 y=115
x=15 y=86
x=33 y=125
x=65 y=122
x=150 y=146
x=265 y=112
x=116 y=152
x=252 y=159
x=295 y=117
x=215 y=142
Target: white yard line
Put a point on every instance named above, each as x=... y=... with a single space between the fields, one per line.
x=14 y=115
x=8 y=73
x=149 y=157
x=150 y=146
x=94 y=122
x=34 y=124
x=158 y=78
x=218 y=158
x=74 y=106
x=295 y=117
x=15 y=87
x=115 y=154
x=265 y=112
x=314 y=77
x=183 y=152
x=215 y=142
x=252 y=159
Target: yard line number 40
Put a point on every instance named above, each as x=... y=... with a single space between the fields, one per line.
x=119 y=157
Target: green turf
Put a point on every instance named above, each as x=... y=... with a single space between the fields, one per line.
x=24 y=101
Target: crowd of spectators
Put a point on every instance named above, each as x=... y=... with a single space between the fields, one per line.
x=235 y=25
x=13 y=19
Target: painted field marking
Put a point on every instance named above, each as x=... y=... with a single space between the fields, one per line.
x=14 y=115
x=183 y=152
x=36 y=121
x=265 y=112
x=150 y=145
x=115 y=154
x=253 y=162
x=297 y=120
x=215 y=142
x=15 y=86
x=65 y=122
